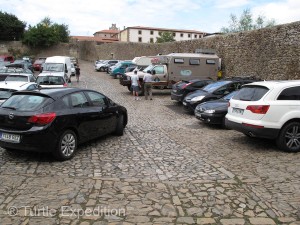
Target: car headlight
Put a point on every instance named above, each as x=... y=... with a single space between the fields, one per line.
x=197 y=99
x=210 y=111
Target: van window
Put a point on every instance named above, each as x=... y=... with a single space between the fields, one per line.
x=194 y=61
x=159 y=70
x=55 y=67
x=179 y=60
x=210 y=61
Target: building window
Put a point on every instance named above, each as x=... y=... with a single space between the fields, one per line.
x=151 y=40
x=159 y=33
x=195 y=35
x=140 y=32
x=210 y=61
x=181 y=35
x=140 y=39
x=189 y=35
x=151 y=32
x=174 y=34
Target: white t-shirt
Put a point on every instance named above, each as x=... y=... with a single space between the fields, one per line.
x=134 y=80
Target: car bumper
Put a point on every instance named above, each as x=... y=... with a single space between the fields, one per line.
x=211 y=118
x=269 y=133
x=177 y=97
x=189 y=107
x=38 y=141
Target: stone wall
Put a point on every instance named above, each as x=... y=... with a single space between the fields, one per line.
x=270 y=53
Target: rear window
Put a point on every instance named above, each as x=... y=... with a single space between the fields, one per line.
x=26 y=102
x=17 y=78
x=51 y=80
x=251 y=93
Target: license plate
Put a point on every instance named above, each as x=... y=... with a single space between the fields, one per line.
x=237 y=111
x=184 y=103
x=15 y=138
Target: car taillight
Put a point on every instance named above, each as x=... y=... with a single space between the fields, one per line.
x=259 y=109
x=185 y=85
x=65 y=85
x=42 y=119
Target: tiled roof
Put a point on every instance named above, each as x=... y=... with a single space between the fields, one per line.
x=108 y=31
x=165 y=29
x=97 y=39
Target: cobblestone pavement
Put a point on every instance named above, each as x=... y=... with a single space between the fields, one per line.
x=168 y=168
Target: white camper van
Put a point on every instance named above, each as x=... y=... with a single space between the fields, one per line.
x=58 y=65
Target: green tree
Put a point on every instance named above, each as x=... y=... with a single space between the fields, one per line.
x=11 y=27
x=165 y=37
x=46 y=34
x=246 y=23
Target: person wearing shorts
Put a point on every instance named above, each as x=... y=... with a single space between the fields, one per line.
x=135 y=85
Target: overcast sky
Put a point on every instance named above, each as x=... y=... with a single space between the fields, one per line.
x=85 y=17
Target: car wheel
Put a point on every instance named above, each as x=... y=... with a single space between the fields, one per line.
x=224 y=124
x=66 y=146
x=129 y=88
x=101 y=69
x=120 y=126
x=289 y=137
x=9 y=149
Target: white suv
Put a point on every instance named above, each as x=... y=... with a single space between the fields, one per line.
x=268 y=109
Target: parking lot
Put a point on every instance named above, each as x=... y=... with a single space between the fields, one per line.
x=168 y=168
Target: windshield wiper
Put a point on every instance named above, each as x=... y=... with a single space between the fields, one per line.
x=8 y=107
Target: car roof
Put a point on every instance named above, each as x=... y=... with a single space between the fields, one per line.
x=17 y=85
x=275 y=83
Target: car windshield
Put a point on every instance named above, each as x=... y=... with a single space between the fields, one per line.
x=23 y=102
x=54 y=67
x=16 y=78
x=148 y=68
x=214 y=86
x=251 y=93
x=50 y=80
x=6 y=93
x=118 y=64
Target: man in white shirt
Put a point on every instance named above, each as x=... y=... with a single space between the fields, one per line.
x=135 y=85
x=148 y=85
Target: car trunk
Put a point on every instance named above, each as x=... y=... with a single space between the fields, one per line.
x=14 y=120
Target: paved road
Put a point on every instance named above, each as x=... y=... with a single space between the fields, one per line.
x=168 y=168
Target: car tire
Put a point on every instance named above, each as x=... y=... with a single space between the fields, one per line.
x=101 y=69
x=66 y=146
x=289 y=137
x=120 y=126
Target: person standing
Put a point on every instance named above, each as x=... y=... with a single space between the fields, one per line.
x=135 y=85
x=148 y=85
x=77 y=72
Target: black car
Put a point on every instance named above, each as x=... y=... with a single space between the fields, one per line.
x=212 y=91
x=20 y=63
x=57 y=120
x=182 y=88
x=213 y=112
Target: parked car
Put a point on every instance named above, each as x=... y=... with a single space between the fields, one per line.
x=74 y=61
x=212 y=91
x=7 y=58
x=20 y=63
x=51 y=81
x=7 y=88
x=6 y=71
x=57 y=120
x=37 y=65
x=268 y=109
x=103 y=66
x=182 y=88
x=72 y=69
x=214 y=112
